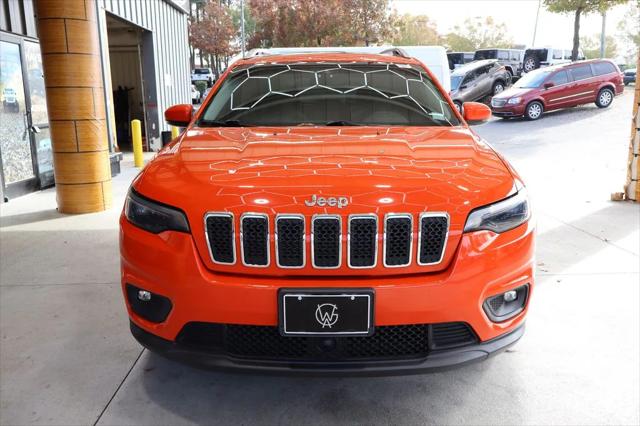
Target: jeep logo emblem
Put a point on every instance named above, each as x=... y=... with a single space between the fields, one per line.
x=339 y=202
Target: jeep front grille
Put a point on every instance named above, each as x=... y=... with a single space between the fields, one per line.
x=325 y=239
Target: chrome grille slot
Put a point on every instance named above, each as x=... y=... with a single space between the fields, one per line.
x=434 y=229
x=398 y=238
x=220 y=234
x=326 y=244
x=363 y=241
x=290 y=244
x=254 y=239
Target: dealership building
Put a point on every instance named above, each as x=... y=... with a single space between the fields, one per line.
x=73 y=74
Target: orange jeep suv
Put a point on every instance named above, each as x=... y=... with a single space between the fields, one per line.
x=327 y=214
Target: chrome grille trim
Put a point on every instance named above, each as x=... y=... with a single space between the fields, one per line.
x=384 y=249
x=446 y=236
x=313 y=221
x=304 y=242
x=242 y=254
x=233 y=235
x=375 y=253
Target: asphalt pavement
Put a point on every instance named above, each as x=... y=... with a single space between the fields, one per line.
x=66 y=355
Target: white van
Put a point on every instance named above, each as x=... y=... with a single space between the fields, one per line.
x=434 y=57
x=535 y=58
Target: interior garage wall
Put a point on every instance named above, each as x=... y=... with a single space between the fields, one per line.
x=167 y=24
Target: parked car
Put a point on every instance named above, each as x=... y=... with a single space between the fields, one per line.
x=203 y=74
x=477 y=80
x=196 y=96
x=535 y=58
x=558 y=87
x=10 y=100
x=457 y=59
x=629 y=76
x=510 y=58
x=273 y=238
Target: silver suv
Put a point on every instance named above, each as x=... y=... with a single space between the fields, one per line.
x=510 y=58
x=478 y=80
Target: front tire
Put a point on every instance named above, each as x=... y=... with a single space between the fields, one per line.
x=498 y=87
x=534 y=110
x=530 y=63
x=605 y=98
x=458 y=105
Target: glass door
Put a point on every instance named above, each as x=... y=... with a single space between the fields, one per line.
x=19 y=170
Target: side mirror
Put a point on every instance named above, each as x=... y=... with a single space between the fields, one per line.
x=548 y=85
x=179 y=115
x=475 y=113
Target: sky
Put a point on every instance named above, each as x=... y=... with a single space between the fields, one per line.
x=519 y=16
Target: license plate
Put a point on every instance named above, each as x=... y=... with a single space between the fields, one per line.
x=325 y=312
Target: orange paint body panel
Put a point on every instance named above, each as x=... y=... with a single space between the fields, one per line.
x=379 y=169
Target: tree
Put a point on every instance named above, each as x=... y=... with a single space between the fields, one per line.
x=477 y=33
x=415 y=30
x=371 y=21
x=629 y=31
x=579 y=8
x=591 y=47
x=213 y=33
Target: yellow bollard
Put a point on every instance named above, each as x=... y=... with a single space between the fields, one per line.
x=136 y=140
x=175 y=132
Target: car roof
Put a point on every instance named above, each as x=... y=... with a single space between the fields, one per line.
x=326 y=57
x=471 y=66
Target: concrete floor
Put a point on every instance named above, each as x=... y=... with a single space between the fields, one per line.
x=66 y=355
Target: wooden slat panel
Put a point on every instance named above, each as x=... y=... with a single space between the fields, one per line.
x=64 y=135
x=92 y=135
x=82 y=36
x=84 y=198
x=52 y=36
x=74 y=9
x=65 y=70
x=82 y=167
x=70 y=103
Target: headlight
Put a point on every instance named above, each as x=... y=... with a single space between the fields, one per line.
x=501 y=216
x=154 y=217
x=514 y=101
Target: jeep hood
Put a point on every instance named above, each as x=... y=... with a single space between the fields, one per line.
x=379 y=170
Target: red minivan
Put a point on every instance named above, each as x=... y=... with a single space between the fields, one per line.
x=560 y=86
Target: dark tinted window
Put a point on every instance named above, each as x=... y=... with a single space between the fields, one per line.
x=485 y=54
x=581 y=72
x=603 y=68
x=561 y=77
x=320 y=93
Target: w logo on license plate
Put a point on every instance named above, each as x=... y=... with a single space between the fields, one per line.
x=327 y=314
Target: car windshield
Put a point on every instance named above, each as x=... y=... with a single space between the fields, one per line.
x=201 y=71
x=455 y=81
x=359 y=94
x=532 y=80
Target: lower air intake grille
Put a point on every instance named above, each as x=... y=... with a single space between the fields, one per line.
x=265 y=342
x=220 y=237
x=255 y=240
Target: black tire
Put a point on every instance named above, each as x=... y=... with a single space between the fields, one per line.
x=509 y=76
x=498 y=87
x=458 y=105
x=530 y=63
x=534 y=110
x=605 y=97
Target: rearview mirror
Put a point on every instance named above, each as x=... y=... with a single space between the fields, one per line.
x=179 y=115
x=476 y=113
x=548 y=85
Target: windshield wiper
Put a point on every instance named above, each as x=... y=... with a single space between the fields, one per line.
x=221 y=123
x=340 y=123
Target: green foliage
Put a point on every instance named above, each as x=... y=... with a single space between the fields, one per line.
x=477 y=33
x=415 y=30
x=629 y=30
x=591 y=47
x=201 y=86
x=584 y=6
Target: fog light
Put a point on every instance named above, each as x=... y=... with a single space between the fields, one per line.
x=150 y=306
x=504 y=306
x=509 y=296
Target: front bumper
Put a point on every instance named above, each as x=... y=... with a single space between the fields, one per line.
x=508 y=111
x=434 y=361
